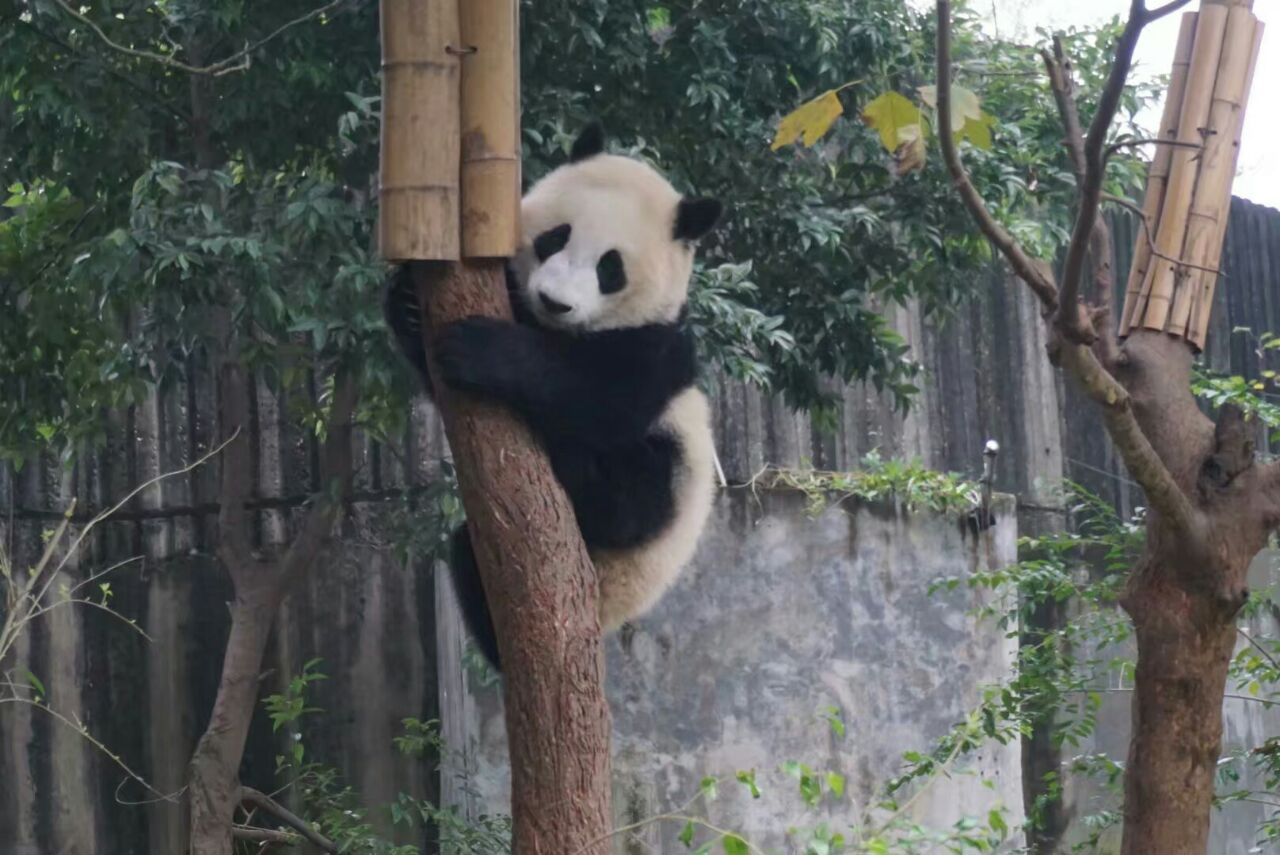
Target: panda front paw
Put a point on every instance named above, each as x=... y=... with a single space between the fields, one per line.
x=477 y=354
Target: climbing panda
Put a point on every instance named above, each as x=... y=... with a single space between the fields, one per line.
x=600 y=364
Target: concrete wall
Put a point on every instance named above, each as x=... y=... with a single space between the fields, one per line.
x=780 y=617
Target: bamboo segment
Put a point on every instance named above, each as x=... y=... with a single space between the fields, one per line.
x=1212 y=196
x=490 y=128
x=418 y=189
x=1158 y=173
x=1184 y=167
x=1208 y=281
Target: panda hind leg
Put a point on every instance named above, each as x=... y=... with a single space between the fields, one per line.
x=471 y=598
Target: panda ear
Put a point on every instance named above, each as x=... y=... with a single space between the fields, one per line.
x=695 y=217
x=589 y=143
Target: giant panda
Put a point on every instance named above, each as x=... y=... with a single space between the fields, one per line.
x=599 y=363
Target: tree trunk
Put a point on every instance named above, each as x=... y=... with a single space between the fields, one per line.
x=1183 y=653
x=214 y=785
x=1183 y=596
x=542 y=591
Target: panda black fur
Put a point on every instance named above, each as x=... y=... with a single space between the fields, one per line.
x=600 y=365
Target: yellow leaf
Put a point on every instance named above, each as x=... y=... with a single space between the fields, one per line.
x=891 y=114
x=967 y=119
x=811 y=120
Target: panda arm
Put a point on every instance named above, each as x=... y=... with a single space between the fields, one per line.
x=601 y=388
x=404 y=317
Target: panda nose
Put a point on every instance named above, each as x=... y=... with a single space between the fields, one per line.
x=554 y=306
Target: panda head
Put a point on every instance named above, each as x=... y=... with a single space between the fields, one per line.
x=607 y=242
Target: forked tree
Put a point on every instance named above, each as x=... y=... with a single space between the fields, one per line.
x=1211 y=506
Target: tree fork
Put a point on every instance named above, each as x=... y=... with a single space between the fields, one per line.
x=541 y=587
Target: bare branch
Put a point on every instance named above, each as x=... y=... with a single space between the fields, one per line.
x=265 y=803
x=1058 y=67
x=335 y=474
x=266 y=836
x=1160 y=11
x=1101 y=250
x=1140 y=458
x=1095 y=166
x=238 y=61
x=1033 y=274
x=1151 y=243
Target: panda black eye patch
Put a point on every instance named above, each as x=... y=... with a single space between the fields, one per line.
x=551 y=241
x=610 y=272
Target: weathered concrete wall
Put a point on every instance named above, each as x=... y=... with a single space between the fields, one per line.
x=780 y=617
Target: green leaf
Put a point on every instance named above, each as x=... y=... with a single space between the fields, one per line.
x=686 y=835
x=35 y=684
x=734 y=845
x=835 y=783
x=748 y=779
x=709 y=787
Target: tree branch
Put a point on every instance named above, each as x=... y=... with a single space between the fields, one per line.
x=263 y=802
x=238 y=61
x=266 y=836
x=1027 y=269
x=1140 y=458
x=1095 y=167
x=1058 y=67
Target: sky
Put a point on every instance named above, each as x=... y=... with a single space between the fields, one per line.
x=1258 y=178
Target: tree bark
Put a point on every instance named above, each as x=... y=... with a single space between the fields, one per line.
x=214 y=784
x=213 y=787
x=541 y=588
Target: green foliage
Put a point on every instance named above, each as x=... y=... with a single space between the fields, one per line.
x=907 y=483
x=335 y=810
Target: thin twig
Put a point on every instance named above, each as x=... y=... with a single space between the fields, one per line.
x=1151 y=244
x=264 y=835
x=1116 y=146
x=238 y=61
x=1249 y=638
x=85 y=735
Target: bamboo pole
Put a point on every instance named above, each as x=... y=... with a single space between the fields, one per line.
x=418 y=214
x=1158 y=173
x=490 y=128
x=1205 y=55
x=1199 y=326
x=1212 y=195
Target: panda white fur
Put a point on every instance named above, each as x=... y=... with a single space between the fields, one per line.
x=600 y=364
